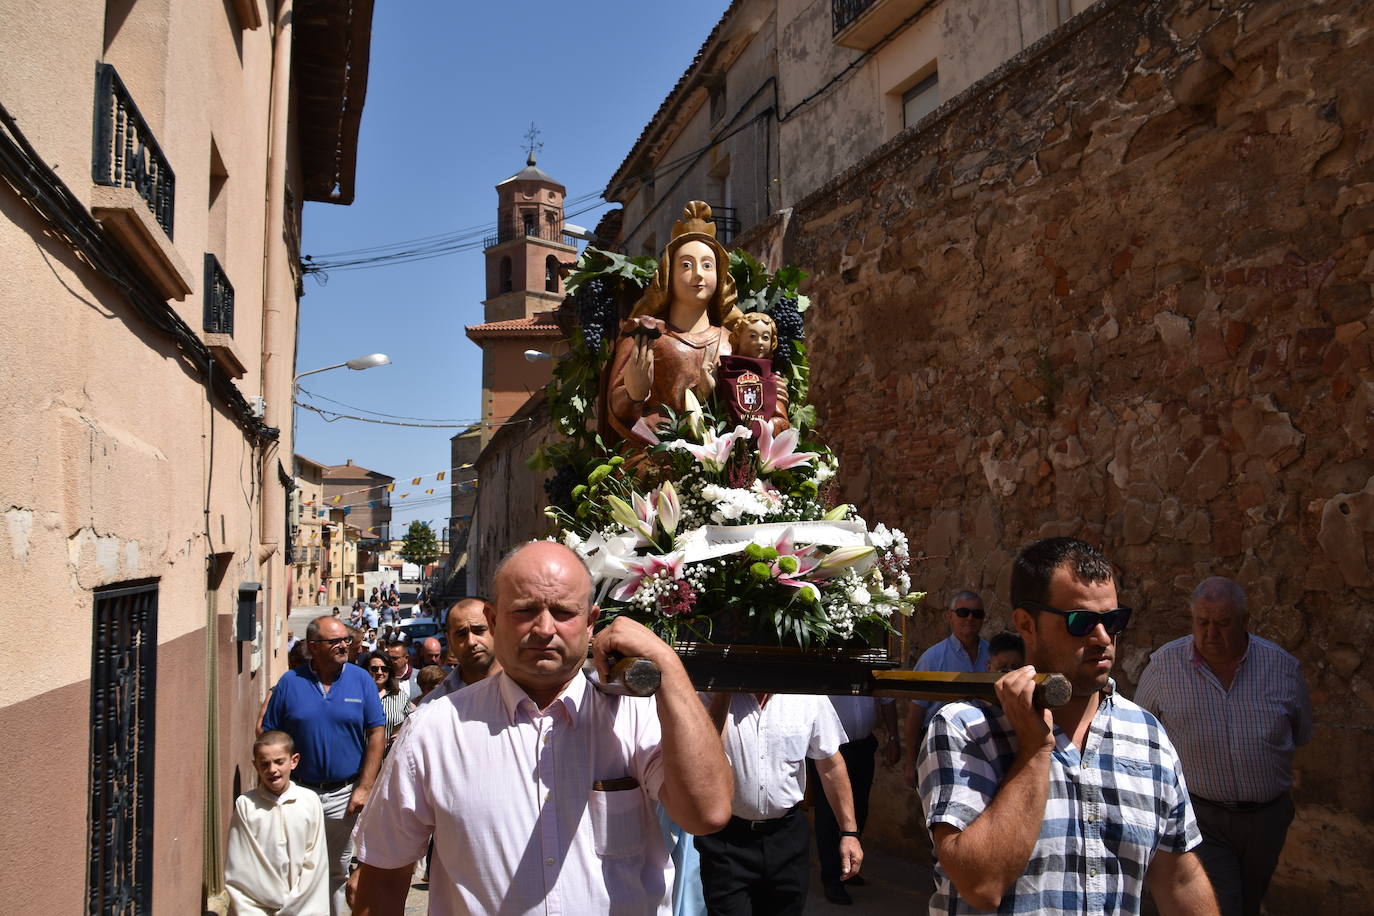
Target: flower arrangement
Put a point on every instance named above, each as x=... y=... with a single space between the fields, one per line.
x=715 y=530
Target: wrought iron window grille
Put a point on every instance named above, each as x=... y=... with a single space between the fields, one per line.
x=727 y=223
x=123 y=687
x=126 y=155
x=219 y=298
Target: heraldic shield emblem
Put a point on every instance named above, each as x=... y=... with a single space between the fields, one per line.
x=749 y=394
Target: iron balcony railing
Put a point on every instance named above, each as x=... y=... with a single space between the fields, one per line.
x=126 y=155
x=219 y=298
x=727 y=223
x=510 y=233
x=846 y=11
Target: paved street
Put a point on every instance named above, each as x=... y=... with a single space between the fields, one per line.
x=894 y=886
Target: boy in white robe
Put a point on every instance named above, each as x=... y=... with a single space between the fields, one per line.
x=277 y=862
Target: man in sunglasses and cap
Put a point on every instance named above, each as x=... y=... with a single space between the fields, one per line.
x=1073 y=810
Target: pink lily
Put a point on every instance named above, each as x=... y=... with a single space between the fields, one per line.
x=715 y=450
x=664 y=567
x=669 y=507
x=639 y=518
x=778 y=453
x=805 y=559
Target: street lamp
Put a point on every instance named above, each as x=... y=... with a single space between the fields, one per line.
x=370 y=361
x=534 y=356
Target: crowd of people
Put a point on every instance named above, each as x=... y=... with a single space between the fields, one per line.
x=522 y=786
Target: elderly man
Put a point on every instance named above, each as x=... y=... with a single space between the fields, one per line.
x=469 y=645
x=1236 y=708
x=538 y=787
x=962 y=650
x=331 y=711
x=399 y=658
x=1073 y=810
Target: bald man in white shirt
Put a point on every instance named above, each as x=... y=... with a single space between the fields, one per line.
x=537 y=787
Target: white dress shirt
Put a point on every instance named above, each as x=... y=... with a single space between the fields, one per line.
x=768 y=748
x=948 y=655
x=532 y=812
x=277 y=862
x=858 y=715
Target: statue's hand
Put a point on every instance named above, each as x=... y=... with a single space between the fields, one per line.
x=706 y=384
x=639 y=370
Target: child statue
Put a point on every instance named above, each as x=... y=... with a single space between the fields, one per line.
x=676 y=334
x=749 y=388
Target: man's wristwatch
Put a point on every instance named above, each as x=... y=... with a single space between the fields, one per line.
x=853 y=833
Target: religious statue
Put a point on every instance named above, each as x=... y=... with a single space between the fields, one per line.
x=676 y=334
x=748 y=386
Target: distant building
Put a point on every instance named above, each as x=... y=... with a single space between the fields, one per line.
x=155 y=157
x=361 y=498
x=308 y=519
x=463 y=451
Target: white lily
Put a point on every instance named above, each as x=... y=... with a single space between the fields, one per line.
x=696 y=422
x=858 y=558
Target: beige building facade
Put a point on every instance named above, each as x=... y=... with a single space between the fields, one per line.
x=785 y=95
x=154 y=159
x=308 y=519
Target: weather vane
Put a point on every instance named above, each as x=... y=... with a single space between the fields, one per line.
x=532 y=142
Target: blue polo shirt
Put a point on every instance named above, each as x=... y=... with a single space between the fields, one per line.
x=330 y=730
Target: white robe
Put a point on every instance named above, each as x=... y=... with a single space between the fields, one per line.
x=278 y=863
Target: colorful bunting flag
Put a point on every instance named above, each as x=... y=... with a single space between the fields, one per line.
x=415 y=482
x=430 y=490
x=441 y=476
x=390 y=487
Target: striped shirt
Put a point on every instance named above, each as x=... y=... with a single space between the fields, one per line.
x=396 y=706
x=1109 y=809
x=1237 y=745
x=948 y=655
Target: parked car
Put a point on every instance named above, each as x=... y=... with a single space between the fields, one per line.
x=418 y=628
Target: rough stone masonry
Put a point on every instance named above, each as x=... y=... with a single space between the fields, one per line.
x=1121 y=289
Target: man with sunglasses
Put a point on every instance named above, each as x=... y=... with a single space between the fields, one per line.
x=331 y=711
x=1237 y=707
x=962 y=650
x=1072 y=810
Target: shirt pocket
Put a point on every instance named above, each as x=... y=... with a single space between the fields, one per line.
x=617 y=822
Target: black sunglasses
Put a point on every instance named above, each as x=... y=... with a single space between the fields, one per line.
x=1081 y=623
x=977 y=612
x=377 y=668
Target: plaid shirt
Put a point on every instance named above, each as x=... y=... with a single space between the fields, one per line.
x=1108 y=812
x=1237 y=745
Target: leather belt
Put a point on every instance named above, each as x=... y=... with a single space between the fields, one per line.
x=1238 y=806
x=334 y=786
x=765 y=825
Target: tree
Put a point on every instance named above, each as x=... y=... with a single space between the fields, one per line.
x=420 y=545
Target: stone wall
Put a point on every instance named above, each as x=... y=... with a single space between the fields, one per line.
x=1120 y=289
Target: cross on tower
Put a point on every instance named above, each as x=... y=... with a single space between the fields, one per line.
x=532 y=143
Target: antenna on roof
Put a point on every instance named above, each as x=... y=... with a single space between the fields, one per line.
x=532 y=143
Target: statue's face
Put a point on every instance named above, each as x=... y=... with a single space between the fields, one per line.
x=694 y=273
x=755 y=340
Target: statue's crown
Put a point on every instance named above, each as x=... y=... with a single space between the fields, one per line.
x=696 y=221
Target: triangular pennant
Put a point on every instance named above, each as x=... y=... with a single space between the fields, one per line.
x=390 y=487
x=440 y=475
x=415 y=482
x=430 y=490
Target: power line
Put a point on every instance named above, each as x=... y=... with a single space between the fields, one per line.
x=331 y=416
x=390 y=416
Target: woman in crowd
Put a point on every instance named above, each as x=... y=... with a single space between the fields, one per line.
x=395 y=703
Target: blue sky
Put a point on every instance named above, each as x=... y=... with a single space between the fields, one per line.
x=452 y=90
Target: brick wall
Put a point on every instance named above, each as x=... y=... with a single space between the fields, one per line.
x=1121 y=289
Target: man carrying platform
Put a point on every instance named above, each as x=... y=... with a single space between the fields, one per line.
x=1073 y=810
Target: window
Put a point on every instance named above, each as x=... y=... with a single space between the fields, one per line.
x=920 y=100
x=505 y=286
x=123 y=681
x=531 y=222
x=551 y=274
x=717 y=101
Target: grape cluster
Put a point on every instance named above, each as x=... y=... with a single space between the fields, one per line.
x=559 y=487
x=597 y=312
x=791 y=328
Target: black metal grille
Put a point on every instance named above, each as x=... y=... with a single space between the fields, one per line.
x=126 y=155
x=727 y=223
x=509 y=233
x=846 y=11
x=219 y=298
x=123 y=681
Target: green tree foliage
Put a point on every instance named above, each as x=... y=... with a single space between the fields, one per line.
x=420 y=546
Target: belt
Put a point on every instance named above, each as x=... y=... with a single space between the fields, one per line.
x=765 y=825
x=334 y=786
x=1238 y=806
